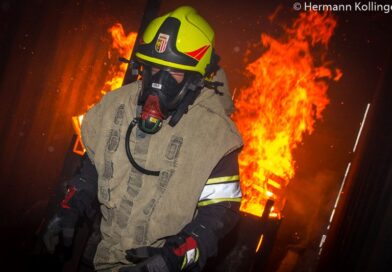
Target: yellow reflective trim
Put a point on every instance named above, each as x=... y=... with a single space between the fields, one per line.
x=217 y=200
x=167 y=63
x=223 y=179
x=184 y=262
x=197 y=255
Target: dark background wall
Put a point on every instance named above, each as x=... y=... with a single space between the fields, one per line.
x=361 y=237
x=54 y=60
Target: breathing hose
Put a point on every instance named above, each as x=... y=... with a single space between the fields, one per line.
x=129 y=155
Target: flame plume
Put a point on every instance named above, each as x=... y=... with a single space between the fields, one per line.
x=123 y=45
x=287 y=94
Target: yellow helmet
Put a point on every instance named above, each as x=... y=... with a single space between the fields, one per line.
x=181 y=40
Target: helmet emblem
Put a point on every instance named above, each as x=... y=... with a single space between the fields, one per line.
x=161 y=44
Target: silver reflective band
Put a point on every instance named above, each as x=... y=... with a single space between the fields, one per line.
x=191 y=256
x=156 y=85
x=221 y=190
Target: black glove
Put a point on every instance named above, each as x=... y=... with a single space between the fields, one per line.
x=63 y=222
x=179 y=252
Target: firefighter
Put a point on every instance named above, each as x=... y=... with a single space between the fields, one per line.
x=162 y=155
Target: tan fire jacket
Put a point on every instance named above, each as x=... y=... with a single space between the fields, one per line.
x=141 y=210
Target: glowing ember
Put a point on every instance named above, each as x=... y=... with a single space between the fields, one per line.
x=123 y=45
x=287 y=94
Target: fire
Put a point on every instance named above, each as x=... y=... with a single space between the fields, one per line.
x=287 y=94
x=123 y=45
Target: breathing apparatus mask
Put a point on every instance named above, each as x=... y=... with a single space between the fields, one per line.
x=165 y=94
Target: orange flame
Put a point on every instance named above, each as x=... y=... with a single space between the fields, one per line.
x=287 y=94
x=123 y=44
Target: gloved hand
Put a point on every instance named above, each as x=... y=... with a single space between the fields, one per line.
x=63 y=223
x=178 y=253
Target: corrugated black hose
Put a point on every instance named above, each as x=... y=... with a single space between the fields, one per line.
x=129 y=155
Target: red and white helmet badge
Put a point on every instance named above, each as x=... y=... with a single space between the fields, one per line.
x=161 y=44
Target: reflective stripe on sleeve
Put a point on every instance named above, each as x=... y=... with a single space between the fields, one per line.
x=223 y=179
x=217 y=200
x=218 y=192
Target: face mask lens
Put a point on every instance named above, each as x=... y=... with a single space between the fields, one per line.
x=167 y=85
x=170 y=87
x=178 y=76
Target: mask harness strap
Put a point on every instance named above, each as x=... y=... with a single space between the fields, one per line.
x=129 y=155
